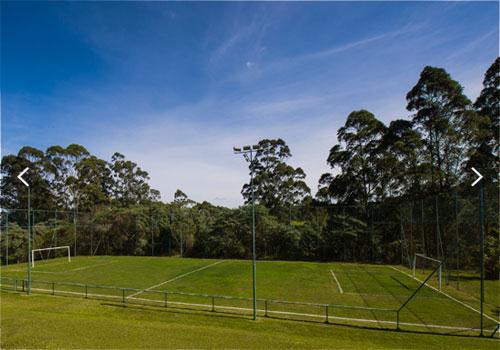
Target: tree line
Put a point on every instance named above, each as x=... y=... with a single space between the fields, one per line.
x=352 y=216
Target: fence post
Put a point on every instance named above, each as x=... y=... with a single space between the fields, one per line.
x=86 y=290
x=166 y=299
x=23 y=285
x=15 y=285
x=123 y=295
x=213 y=303
x=53 y=288
x=265 y=307
x=326 y=313
x=495 y=330
x=397 y=320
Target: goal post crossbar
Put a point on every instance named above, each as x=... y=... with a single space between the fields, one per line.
x=66 y=247
x=423 y=256
x=427 y=257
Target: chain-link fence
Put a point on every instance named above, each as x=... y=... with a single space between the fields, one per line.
x=409 y=238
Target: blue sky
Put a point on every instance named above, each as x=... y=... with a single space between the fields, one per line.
x=174 y=86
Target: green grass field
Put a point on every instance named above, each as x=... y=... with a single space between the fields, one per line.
x=361 y=299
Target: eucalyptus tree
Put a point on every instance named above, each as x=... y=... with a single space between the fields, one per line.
x=401 y=160
x=13 y=192
x=357 y=157
x=62 y=166
x=276 y=184
x=130 y=182
x=359 y=181
x=488 y=102
x=486 y=127
x=94 y=182
x=440 y=110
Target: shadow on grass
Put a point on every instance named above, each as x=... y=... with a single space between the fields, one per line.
x=400 y=283
x=459 y=278
x=458 y=333
x=220 y=313
x=229 y=314
x=179 y=310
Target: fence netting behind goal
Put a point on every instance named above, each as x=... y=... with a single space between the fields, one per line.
x=444 y=227
x=448 y=228
x=48 y=253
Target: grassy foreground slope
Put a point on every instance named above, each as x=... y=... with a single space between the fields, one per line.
x=40 y=321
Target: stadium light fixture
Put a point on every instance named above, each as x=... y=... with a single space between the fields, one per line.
x=248 y=152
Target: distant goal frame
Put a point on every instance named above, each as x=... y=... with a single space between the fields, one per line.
x=65 y=247
x=425 y=257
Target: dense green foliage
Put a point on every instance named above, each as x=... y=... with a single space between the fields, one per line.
x=386 y=182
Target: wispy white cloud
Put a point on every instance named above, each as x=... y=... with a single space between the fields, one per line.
x=290 y=63
x=242 y=38
x=237 y=88
x=325 y=53
x=473 y=44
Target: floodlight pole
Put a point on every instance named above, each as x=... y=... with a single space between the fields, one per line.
x=7 y=237
x=20 y=177
x=249 y=150
x=481 y=248
x=254 y=258
x=29 y=240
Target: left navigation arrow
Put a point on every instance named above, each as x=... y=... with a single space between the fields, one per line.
x=20 y=177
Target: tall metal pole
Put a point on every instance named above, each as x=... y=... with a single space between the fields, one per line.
x=457 y=242
x=7 y=238
x=29 y=240
x=54 y=236
x=254 y=267
x=247 y=151
x=20 y=177
x=422 y=225
x=33 y=224
x=481 y=252
x=74 y=230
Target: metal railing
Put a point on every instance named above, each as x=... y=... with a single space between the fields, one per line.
x=296 y=310
x=415 y=292
x=206 y=302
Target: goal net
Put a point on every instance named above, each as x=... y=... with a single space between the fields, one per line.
x=45 y=253
x=423 y=264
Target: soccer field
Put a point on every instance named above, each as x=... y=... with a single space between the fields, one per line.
x=343 y=293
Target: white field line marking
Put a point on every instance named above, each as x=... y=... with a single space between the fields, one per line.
x=178 y=277
x=88 y=267
x=338 y=283
x=51 y=272
x=446 y=294
x=67 y=271
x=387 y=295
x=209 y=306
x=46 y=263
x=15 y=270
x=32 y=271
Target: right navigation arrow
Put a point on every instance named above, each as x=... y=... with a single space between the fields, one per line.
x=479 y=177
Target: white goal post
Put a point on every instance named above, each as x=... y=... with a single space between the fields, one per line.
x=65 y=247
x=425 y=257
